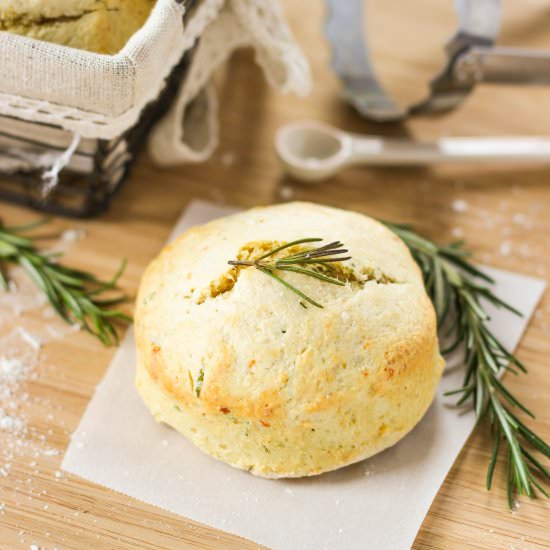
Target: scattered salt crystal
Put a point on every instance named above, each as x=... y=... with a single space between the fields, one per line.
x=340 y=531
x=58 y=474
x=460 y=205
x=228 y=159
x=505 y=248
x=489 y=222
x=425 y=186
x=368 y=472
x=33 y=341
x=11 y=369
x=519 y=218
x=10 y=423
x=485 y=258
x=288 y=491
x=50 y=452
x=457 y=232
x=286 y=192
x=34 y=547
x=48 y=313
x=73 y=235
x=53 y=332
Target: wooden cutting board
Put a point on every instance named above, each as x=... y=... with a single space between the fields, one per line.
x=503 y=212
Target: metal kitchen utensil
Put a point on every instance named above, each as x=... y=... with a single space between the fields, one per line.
x=311 y=151
x=472 y=58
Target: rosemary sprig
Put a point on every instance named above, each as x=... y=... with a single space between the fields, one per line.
x=305 y=262
x=458 y=289
x=77 y=296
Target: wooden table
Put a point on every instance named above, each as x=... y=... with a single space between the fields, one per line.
x=503 y=212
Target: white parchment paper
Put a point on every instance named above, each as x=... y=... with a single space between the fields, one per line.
x=379 y=503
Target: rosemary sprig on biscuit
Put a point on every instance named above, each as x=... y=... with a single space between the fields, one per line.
x=457 y=289
x=77 y=296
x=305 y=262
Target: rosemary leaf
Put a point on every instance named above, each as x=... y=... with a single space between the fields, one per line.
x=303 y=262
x=311 y=273
x=289 y=245
x=77 y=296
x=458 y=289
x=493 y=462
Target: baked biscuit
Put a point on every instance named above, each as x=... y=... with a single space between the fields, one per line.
x=101 y=26
x=233 y=361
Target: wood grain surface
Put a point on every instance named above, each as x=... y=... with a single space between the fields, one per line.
x=503 y=212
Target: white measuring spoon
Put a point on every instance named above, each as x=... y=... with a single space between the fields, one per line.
x=311 y=151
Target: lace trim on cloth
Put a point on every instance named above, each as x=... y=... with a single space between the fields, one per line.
x=241 y=23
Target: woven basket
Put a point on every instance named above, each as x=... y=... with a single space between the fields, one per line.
x=110 y=102
x=72 y=122
x=87 y=191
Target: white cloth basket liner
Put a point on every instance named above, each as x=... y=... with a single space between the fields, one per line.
x=101 y=96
